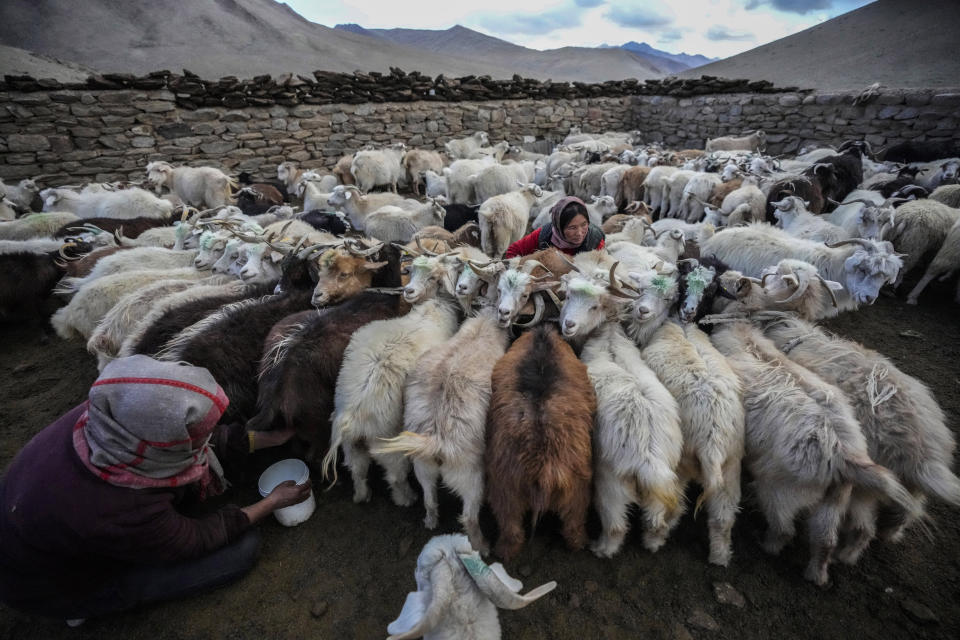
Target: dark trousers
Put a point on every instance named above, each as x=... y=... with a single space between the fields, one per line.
x=144 y=585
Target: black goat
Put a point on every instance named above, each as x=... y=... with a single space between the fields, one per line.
x=258 y=198
x=808 y=189
x=457 y=215
x=27 y=279
x=244 y=179
x=921 y=151
x=710 y=292
x=335 y=223
x=837 y=176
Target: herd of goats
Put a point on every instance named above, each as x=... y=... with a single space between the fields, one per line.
x=390 y=329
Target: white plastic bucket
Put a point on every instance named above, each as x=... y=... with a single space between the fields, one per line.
x=289 y=469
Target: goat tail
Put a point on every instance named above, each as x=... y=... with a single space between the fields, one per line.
x=329 y=463
x=711 y=473
x=414 y=445
x=937 y=479
x=661 y=483
x=877 y=479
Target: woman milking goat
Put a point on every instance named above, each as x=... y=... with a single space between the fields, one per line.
x=91 y=517
x=569 y=230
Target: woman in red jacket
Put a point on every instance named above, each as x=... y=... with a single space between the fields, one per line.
x=91 y=515
x=569 y=231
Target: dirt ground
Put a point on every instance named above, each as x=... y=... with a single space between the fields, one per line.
x=345 y=572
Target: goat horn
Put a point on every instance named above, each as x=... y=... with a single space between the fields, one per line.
x=860 y=241
x=528 y=267
x=423 y=250
x=363 y=253
x=833 y=297
x=65 y=246
x=869 y=203
x=537 y=314
x=802 y=285
x=763 y=280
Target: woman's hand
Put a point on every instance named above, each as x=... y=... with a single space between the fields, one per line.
x=266 y=439
x=283 y=495
x=289 y=493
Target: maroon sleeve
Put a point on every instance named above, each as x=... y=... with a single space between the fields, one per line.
x=603 y=241
x=154 y=532
x=232 y=446
x=524 y=246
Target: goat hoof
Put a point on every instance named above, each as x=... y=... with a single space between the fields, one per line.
x=721 y=558
x=912 y=301
x=430 y=522
x=361 y=496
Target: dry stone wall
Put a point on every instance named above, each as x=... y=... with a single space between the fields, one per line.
x=76 y=135
x=793 y=120
x=82 y=134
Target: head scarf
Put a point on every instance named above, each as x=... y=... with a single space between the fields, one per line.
x=147 y=423
x=556 y=237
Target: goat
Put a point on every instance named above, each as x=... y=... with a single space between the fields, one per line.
x=921 y=151
x=368 y=401
x=196 y=186
x=298 y=373
x=434 y=184
x=458 y=595
x=393 y=224
x=538 y=455
x=21 y=195
x=460 y=183
x=944 y=265
x=503 y=219
x=920 y=228
x=947 y=194
x=445 y=410
x=29 y=272
x=637 y=438
x=372 y=168
x=800 y=223
x=904 y=426
x=418 y=162
x=358 y=206
x=756 y=141
x=836 y=176
x=655 y=189
x=139 y=258
x=464 y=147
x=497 y=179
x=124 y=204
x=862 y=266
x=329 y=221
x=804 y=446
x=805 y=188
x=258 y=198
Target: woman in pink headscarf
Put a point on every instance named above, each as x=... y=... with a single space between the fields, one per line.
x=569 y=231
x=90 y=509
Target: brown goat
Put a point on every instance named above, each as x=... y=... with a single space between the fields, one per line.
x=631 y=186
x=342 y=170
x=468 y=234
x=538 y=452
x=614 y=224
x=722 y=190
x=690 y=154
x=82 y=266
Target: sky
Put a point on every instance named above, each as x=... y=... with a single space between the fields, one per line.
x=714 y=28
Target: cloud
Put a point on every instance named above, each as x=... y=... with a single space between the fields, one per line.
x=793 y=6
x=637 y=16
x=671 y=35
x=720 y=32
x=563 y=17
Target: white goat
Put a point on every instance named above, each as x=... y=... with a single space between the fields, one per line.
x=463 y=147
x=372 y=168
x=503 y=219
x=637 y=438
x=445 y=411
x=921 y=226
x=794 y=218
x=497 y=179
x=36 y=225
x=368 y=401
x=458 y=595
x=357 y=206
x=123 y=204
x=756 y=141
x=460 y=184
x=203 y=187
x=21 y=194
x=862 y=266
x=393 y=224
x=655 y=187
x=435 y=184
x=944 y=265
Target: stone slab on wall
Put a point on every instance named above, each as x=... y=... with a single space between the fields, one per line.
x=794 y=120
x=71 y=136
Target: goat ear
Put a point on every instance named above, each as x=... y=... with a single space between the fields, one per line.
x=541 y=286
x=743 y=286
x=347 y=194
x=424 y=608
x=833 y=285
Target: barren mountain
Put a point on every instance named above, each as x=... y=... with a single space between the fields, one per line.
x=17 y=62
x=568 y=63
x=248 y=37
x=899 y=43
